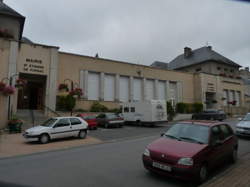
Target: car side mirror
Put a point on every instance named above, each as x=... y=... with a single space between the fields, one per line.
x=162 y=134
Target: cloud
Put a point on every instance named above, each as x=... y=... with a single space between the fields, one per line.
x=139 y=31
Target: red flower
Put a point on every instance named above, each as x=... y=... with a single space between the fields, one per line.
x=63 y=86
x=77 y=91
x=9 y=90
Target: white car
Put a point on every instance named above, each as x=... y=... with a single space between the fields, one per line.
x=58 y=127
x=243 y=127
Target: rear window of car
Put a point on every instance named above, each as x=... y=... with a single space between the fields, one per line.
x=75 y=121
x=112 y=116
x=89 y=117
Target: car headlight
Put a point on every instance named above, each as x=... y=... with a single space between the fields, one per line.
x=186 y=161
x=146 y=152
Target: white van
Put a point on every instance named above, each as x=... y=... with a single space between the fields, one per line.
x=145 y=112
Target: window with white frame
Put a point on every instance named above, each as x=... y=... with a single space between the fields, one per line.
x=93 y=86
x=137 y=86
x=162 y=90
x=109 y=87
x=150 y=89
x=124 y=89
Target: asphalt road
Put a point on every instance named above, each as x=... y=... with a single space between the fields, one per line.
x=111 y=164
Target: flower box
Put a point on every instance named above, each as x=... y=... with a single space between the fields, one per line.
x=63 y=87
x=8 y=90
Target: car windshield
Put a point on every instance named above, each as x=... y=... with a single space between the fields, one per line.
x=49 y=122
x=189 y=132
x=247 y=118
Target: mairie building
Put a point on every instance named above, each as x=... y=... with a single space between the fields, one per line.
x=110 y=82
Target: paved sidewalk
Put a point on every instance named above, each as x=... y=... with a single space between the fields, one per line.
x=15 y=144
x=236 y=176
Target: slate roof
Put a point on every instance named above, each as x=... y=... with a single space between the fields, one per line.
x=26 y=40
x=158 y=64
x=198 y=56
x=6 y=10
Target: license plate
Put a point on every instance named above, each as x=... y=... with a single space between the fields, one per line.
x=161 y=166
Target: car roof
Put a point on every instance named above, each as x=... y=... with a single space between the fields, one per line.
x=87 y=114
x=65 y=117
x=203 y=122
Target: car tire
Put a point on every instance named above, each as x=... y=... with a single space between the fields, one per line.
x=44 y=138
x=82 y=134
x=138 y=123
x=106 y=125
x=203 y=173
x=234 y=155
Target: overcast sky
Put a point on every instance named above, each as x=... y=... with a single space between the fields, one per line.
x=139 y=31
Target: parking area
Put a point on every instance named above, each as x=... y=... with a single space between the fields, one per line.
x=128 y=131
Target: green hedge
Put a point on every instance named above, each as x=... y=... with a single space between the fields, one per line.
x=98 y=107
x=189 y=107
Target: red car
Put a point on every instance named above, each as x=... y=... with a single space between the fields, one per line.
x=189 y=150
x=90 y=119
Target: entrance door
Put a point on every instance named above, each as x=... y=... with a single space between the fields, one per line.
x=32 y=96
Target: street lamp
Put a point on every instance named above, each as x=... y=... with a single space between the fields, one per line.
x=71 y=83
x=10 y=79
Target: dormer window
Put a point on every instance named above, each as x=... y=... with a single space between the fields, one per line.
x=198 y=69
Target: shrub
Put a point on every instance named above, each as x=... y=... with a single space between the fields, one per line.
x=80 y=110
x=70 y=102
x=181 y=108
x=170 y=111
x=116 y=110
x=97 y=107
x=197 y=107
x=61 y=103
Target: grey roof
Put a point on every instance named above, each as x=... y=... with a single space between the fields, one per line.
x=6 y=10
x=158 y=64
x=198 y=56
x=26 y=40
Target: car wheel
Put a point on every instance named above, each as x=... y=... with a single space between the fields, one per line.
x=234 y=155
x=44 y=138
x=203 y=174
x=95 y=127
x=138 y=123
x=82 y=134
x=106 y=125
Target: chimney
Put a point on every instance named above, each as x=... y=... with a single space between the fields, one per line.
x=187 y=52
x=209 y=47
x=1 y=1
x=247 y=69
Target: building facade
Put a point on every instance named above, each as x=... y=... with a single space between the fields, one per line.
x=109 y=82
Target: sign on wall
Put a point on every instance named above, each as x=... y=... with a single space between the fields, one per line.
x=33 y=66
